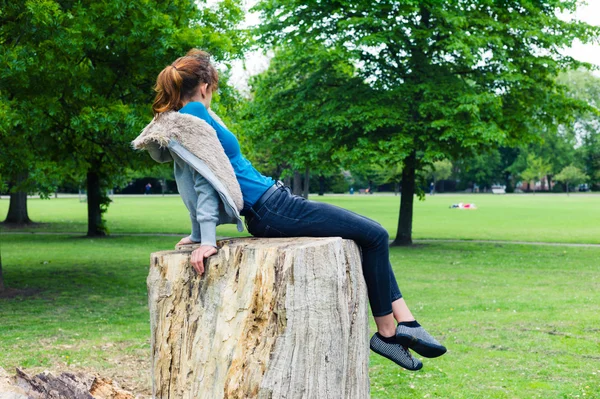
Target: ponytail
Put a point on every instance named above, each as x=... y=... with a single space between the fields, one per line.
x=179 y=81
x=168 y=91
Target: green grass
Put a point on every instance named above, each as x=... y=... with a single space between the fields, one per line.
x=549 y=218
x=519 y=321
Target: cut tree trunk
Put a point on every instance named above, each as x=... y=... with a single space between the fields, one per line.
x=404 y=232
x=270 y=318
x=17 y=208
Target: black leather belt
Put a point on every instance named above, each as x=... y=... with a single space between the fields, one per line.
x=263 y=198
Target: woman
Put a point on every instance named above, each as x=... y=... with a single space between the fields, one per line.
x=217 y=185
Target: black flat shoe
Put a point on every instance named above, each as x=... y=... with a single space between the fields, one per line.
x=419 y=340
x=396 y=352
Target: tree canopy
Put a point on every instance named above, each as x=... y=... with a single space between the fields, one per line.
x=458 y=76
x=79 y=77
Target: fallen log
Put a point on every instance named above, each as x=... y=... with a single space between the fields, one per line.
x=65 y=386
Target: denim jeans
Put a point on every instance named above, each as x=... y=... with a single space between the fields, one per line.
x=288 y=215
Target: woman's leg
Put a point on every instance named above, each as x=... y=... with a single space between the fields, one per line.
x=287 y=215
x=401 y=311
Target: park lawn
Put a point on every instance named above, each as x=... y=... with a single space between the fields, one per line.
x=519 y=321
x=548 y=218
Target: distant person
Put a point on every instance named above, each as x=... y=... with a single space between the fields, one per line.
x=431 y=188
x=148 y=188
x=351 y=190
x=218 y=184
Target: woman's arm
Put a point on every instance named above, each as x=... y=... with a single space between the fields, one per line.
x=202 y=202
x=207 y=216
x=207 y=209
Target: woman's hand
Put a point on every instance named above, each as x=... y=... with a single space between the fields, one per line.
x=198 y=256
x=185 y=241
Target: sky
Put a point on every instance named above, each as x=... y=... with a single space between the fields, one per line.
x=589 y=13
x=257 y=62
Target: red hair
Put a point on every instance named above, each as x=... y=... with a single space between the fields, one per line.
x=180 y=80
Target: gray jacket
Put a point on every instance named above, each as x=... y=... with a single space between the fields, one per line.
x=205 y=178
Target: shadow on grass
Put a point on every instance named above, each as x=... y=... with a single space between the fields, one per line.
x=20 y=226
x=75 y=268
x=77 y=282
x=11 y=293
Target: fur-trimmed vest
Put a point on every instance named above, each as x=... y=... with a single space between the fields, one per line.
x=196 y=142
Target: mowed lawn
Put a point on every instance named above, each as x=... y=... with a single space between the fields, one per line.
x=519 y=321
x=548 y=218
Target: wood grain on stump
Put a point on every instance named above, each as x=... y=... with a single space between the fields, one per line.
x=270 y=318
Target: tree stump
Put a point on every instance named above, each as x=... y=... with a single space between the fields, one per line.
x=270 y=318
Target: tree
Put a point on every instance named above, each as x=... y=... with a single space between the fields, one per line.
x=378 y=173
x=82 y=72
x=440 y=170
x=459 y=76
x=571 y=175
x=294 y=119
x=536 y=170
x=585 y=127
x=590 y=155
x=20 y=162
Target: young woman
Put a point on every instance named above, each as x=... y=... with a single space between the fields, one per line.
x=217 y=185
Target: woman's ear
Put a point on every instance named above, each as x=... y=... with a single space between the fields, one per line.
x=203 y=89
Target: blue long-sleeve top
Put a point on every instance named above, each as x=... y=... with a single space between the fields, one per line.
x=252 y=183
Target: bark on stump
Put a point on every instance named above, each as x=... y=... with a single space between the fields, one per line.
x=270 y=318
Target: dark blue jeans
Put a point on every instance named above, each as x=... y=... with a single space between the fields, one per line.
x=288 y=215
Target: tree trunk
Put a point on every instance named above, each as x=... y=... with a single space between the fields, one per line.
x=306 y=182
x=297 y=188
x=1 y=275
x=287 y=181
x=321 y=185
x=95 y=225
x=17 y=208
x=404 y=233
x=270 y=319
